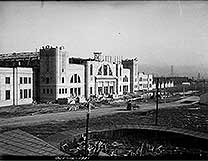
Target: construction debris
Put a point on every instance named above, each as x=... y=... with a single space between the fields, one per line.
x=123 y=148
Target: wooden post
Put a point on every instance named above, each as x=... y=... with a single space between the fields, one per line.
x=87 y=126
x=156 y=112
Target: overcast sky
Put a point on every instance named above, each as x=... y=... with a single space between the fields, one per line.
x=161 y=32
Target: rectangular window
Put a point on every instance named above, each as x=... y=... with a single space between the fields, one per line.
x=7 y=94
x=20 y=80
x=71 y=91
x=51 y=91
x=29 y=80
x=7 y=80
x=29 y=91
x=62 y=80
x=75 y=78
x=75 y=91
x=43 y=90
x=90 y=90
x=59 y=91
x=47 y=80
x=62 y=70
x=25 y=80
x=116 y=69
x=21 y=96
x=105 y=90
x=25 y=93
x=100 y=90
x=62 y=90
x=120 y=88
x=79 y=91
x=47 y=91
x=65 y=90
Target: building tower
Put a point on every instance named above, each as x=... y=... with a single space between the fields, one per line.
x=133 y=65
x=199 y=76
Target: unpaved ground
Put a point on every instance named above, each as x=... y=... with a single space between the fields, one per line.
x=77 y=115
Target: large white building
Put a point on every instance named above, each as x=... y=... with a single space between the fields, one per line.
x=16 y=86
x=105 y=75
x=62 y=76
x=58 y=77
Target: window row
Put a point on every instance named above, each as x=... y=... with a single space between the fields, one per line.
x=47 y=91
x=74 y=79
x=25 y=80
x=63 y=91
x=25 y=93
x=144 y=79
x=73 y=91
x=105 y=70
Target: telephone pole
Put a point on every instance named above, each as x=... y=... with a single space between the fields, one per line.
x=87 y=126
x=156 y=112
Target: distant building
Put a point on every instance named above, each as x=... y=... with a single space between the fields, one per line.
x=164 y=82
x=145 y=82
x=173 y=80
x=16 y=86
x=199 y=76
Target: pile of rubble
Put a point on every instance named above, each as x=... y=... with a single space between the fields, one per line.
x=123 y=148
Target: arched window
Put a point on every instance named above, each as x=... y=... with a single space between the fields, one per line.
x=110 y=71
x=79 y=81
x=105 y=72
x=100 y=71
x=91 y=69
x=125 y=79
x=75 y=79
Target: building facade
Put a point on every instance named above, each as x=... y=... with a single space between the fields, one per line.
x=126 y=81
x=58 y=77
x=145 y=82
x=16 y=86
x=164 y=82
x=133 y=66
x=104 y=76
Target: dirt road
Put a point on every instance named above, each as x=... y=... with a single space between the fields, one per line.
x=75 y=115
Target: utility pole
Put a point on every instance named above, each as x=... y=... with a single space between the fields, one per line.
x=87 y=126
x=156 y=112
x=165 y=89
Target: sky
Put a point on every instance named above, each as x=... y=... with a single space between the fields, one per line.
x=157 y=32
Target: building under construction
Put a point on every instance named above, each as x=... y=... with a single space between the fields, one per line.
x=27 y=60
